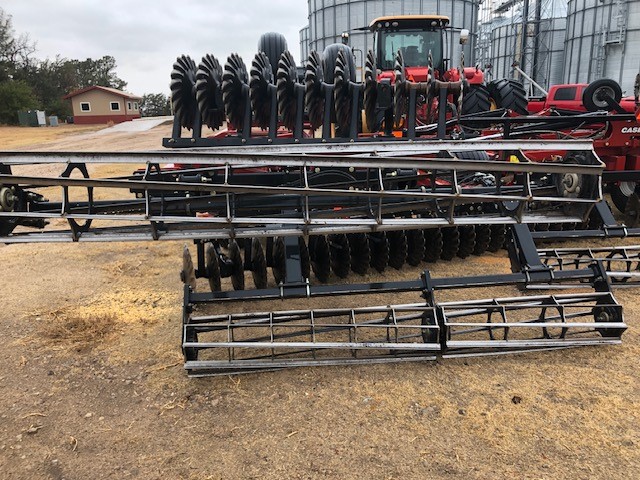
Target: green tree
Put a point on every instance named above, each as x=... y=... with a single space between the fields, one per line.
x=15 y=95
x=91 y=72
x=50 y=81
x=155 y=105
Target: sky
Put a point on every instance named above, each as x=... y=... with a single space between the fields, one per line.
x=146 y=36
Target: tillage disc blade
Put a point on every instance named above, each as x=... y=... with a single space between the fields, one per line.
x=397 y=249
x=379 y=246
x=370 y=92
x=340 y=255
x=320 y=256
x=212 y=264
x=314 y=96
x=261 y=77
x=450 y=242
x=360 y=252
x=415 y=247
x=258 y=264
x=209 y=92
x=234 y=97
x=286 y=81
x=237 y=266
x=279 y=268
x=342 y=93
x=183 y=97
x=433 y=245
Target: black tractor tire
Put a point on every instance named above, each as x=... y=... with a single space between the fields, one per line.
x=329 y=57
x=590 y=94
x=273 y=44
x=620 y=193
x=509 y=94
x=476 y=99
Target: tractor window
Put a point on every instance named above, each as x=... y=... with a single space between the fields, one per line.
x=415 y=46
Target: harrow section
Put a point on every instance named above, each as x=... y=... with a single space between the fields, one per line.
x=244 y=342
x=622 y=263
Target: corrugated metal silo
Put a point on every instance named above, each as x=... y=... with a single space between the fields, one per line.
x=603 y=41
x=505 y=41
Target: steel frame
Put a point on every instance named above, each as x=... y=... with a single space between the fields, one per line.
x=371 y=201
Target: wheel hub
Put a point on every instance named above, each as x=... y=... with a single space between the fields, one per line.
x=7 y=199
x=571 y=183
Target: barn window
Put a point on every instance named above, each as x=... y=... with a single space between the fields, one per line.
x=128 y=105
x=85 y=106
x=115 y=106
x=135 y=105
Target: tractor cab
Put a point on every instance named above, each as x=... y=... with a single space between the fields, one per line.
x=415 y=36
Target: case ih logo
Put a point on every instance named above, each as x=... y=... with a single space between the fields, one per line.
x=630 y=130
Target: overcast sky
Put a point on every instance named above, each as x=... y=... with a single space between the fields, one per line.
x=146 y=36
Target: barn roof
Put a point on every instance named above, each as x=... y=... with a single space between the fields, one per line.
x=105 y=89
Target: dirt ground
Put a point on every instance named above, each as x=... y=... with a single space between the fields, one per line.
x=92 y=385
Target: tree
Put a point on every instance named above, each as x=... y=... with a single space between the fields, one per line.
x=47 y=81
x=91 y=72
x=155 y=105
x=15 y=95
x=15 y=52
x=50 y=81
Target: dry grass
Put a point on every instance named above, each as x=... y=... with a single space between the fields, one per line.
x=14 y=137
x=77 y=330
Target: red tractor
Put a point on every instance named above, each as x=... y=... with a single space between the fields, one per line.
x=422 y=41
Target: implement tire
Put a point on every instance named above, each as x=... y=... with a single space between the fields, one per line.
x=620 y=193
x=590 y=95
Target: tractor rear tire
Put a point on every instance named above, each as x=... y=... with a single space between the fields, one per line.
x=509 y=94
